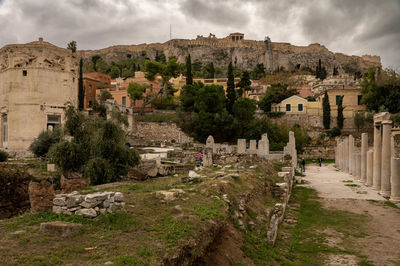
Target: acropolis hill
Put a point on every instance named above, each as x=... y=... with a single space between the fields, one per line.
x=245 y=53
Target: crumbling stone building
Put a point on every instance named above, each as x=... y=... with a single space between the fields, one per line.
x=37 y=79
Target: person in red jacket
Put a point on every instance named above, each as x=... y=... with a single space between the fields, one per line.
x=201 y=158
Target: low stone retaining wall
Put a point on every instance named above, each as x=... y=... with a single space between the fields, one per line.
x=283 y=190
x=90 y=205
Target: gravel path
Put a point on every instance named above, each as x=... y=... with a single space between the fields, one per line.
x=341 y=191
x=331 y=183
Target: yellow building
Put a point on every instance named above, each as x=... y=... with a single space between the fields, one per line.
x=292 y=105
x=180 y=81
x=299 y=105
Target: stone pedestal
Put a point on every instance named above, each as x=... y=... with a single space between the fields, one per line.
x=377 y=158
x=370 y=167
x=386 y=157
x=395 y=179
x=241 y=146
x=364 y=150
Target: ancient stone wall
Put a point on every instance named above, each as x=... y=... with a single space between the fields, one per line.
x=90 y=205
x=160 y=132
x=14 y=197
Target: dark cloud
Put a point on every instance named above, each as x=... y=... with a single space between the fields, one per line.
x=218 y=12
x=348 y=26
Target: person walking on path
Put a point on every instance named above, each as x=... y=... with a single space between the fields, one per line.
x=201 y=158
x=320 y=161
x=303 y=163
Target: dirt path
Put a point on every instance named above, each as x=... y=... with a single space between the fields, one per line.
x=341 y=191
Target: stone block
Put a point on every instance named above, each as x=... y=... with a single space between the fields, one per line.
x=118 y=197
x=89 y=213
x=60 y=201
x=51 y=167
x=59 y=228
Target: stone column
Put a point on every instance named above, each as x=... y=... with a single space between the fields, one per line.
x=253 y=146
x=364 y=149
x=340 y=156
x=241 y=146
x=358 y=166
x=377 y=157
x=351 y=151
x=386 y=152
x=264 y=137
x=395 y=180
x=370 y=167
x=354 y=166
x=346 y=155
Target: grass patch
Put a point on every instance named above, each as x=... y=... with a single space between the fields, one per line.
x=347 y=181
x=116 y=221
x=305 y=244
x=173 y=230
x=352 y=185
x=126 y=260
x=209 y=210
x=390 y=204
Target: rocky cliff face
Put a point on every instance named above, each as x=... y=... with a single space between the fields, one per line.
x=245 y=53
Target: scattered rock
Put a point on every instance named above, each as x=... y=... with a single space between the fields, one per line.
x=253 y=167
x=59 y=201
x=17 y=232
x=169 y=195
x=61 y=228
x=118 y=197
x=193 y=174
x=89 y=213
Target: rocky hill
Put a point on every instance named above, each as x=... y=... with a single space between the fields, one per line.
x=246 y=54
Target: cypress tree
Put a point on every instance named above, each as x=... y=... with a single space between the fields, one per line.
x=230 y=90
x=340 y=118
x=81 y=90
x=189 y=77
x=326 y=109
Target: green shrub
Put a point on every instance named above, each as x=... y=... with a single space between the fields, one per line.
x=334 y=132
x=275 y=114
x=3 y=156
x=99 y=171
x=41 y=145
x=396 y=119
x=68 y=156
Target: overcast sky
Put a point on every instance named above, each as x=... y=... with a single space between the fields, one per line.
x=350 y=26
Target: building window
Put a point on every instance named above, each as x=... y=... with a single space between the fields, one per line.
x=359 y=99
x=53 y=121
x=338 y=99
x=90 y=89
x=288 y=107
x=90 y=104
x=123 y=100
x=300 y=107
x=24 y=73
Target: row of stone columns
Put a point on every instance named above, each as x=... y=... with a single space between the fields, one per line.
x=377 y=167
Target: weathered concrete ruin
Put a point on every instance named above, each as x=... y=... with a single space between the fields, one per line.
x=380 y=167
x=37 y=79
